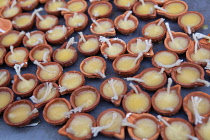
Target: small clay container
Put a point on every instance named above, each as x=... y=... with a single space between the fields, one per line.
x=26 y=121
x=145 y=16
x=7 y=90
x=105 y=34
x=56 y=12
x=93 y=75
x=92 y=52
x=81 y=89
x=5 y=25
x=69 y=31
x=27 y=76
x=197 y=127
x=161 y=3
x=78 y=27
x=25 y=60
x=109 y=99
x=104 y=46
x=54 y=101
x=187 y=98
x=38 y=20
x=71 y=89
x=3 y=9
x=194 y=28
x=122 y=17
x=177 y=88
x=48 y=64
x=127 y=72
x=25 y=39
x=128 y=7
x=41 y=47
x=157 y=38
x=82 y=10
x=150 y=53
x=7 y=3
x=62 y=131
x=177 y=34
x=205 y=41
x=3 y=55
x=188 y=64
x=133 y=118
x=98 y=3
x=120 y=135
x=28 y=7
x=7 y=80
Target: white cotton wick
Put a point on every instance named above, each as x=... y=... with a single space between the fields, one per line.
x=169 y=85
x=189 y=30
x=63 y=9
x=39 y=16
x=179 y=70
x=21 y=33
x=159 y=8
x=101 y=74
x=14 y=2
x=12 y=49
x=35 y=110
x=96 y=23
x=126 y=123
x=104 y=39
x=35 y=12
x=196 y=43
x=127 y=15
x=138 y=57
x=195 y=102
x=64 y=30
x=134 y=79
x=42 y=67
x=169 y=31
x=61 y=89
x=3 y=74
x=134 y=88
x=203 y=81
x=70 y=42
x=2 y=31
x=161 y=71
x=177 y=63
x=207 y=66
x=161 y=21
x=75 y=110
x=192 y=137
x=82 y=36
x=142 y=1
x=17 y=68
x=148 y=46
x=28 y=35
x=160 y=118
x=111 y=83
x=45 y=56
x=200 y=36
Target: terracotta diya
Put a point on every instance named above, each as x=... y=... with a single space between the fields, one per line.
x=75 y=6
x=125 y=4
x=6 y=98
x=5 y=78
x=205 y=39
x=202 y=130
x=2 y=54
x=5 y=26
x=52 y=7
x=46 y=22
x=28 y=5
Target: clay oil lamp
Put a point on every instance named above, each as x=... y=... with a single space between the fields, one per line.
x=58 y=34
x=103 y=27
x=161 y=2
x=28 y=5
x=100 y=9
x=190 y=21
x=93 y=67
x=76 y=20
x=2 y=54
x=126 y=23
x=5 y=26
x=74 y=6
x=46 y=22
x=41 y=53
x=140 y=129
x=55 y=111
x=44 y=93
x=48 y=71
x=167 y=101
x=125 y=4
x=113 y=90
x=155 y=30
x=197 y=106
x=145 y=10
x=112 y=48
x=52 y=7
x=202 y=130
x=127 y=64
x=4 y=3
x=176 y=128
x=84 y=99
x=70 y=81
x=25 y=84
x=205 y=39
x=109 y=123
x=6 y=98
x=88 y=44
x=78 y=127
x=17 y=56
x=151 y=79
x=5 y=78
x=20 y=113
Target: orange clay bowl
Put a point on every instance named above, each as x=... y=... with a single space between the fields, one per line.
x=197 y=127
x=188 y=64
x=62 y=131
x=56 y=12
x=115 y=102
x=25 y=122
x=150 y=53
x=3 y=55
x=129 y=7
x=7 y=81
x=45 y=29
x=187 y=98
x=53 y=101
x=177 y=88
x=161 y=3
x=30 y=6
x=133 y=118
x=6 y=89
x=79 y=11
x=127 y=72
x=2 y=10
x=5 y=25
x=177 y=34
x=112 y=41
x=82 y=89
x=126 y=31
x=72 y=89
x=205 y=41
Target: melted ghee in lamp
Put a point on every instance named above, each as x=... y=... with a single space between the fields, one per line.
x=203 y=107
x=3 y=3
x=204 y=130
x=100 y=9
x=71 y=80
x=80 y=126
x=34 y=39
x=90 y=45
x=53 y=6
x=42 y=92
x=165 y=58
x=126 y=24
x=105 y=26
x=86 y=98
x=177 y=130
x=153 y=30
x=152 y=78
x=19 y=113
x=165 y=101
x=76 y=6
x=4 y=78
x=118 y=86
x=125 y=63
x=93 y=65
x=10 y=12
x=64 y=55
x=125 y=3
x=147 y=8
x=46 y=75
x=107 y=118
x=9 y=39
x=47 y=22
x=178 y=43
x=5 y=98
x=188 y=75
x=137 y=102
x=137 y=48
x=39 y=54
x=190 y=19
x=145 y=128
x=175 y=8
x=27 y=2
x=115 y=49
x=25 y=86
x=57 y=110
x=76 y=20
x=201 y=54
x=17 y=57
x=57 y=33
x=1 y=52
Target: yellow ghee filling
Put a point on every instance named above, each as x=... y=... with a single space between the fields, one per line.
x=5 y=98
x=175 y=8
x=200 y=55
x=126 y=24
x=76 y=20
x=47 y=22
x=126 y=63
x=90 y=45
x=114 y=49
x=93 y=66
x=52 y=72
x=152 y=78
x=165 y=58
x=57 y=33
x=53 y=6
x=35 y=39
x=18 y=56
x=76 y=6
x=42 y=91
x=190 y=19
x=138 y=47
x=9 y=39
x=71 y=80
x=23 y=20
x=104 y=26
x=153 y=30
x=118 y=86
x=27 y=2
x=25 y=85
x=39 y=54
x=64 y=55
x=204 y=130
x=10 y=12
x=100 y=9
x=3 y=3
x=178 y=43
x=125 y=3
x=147 y=8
